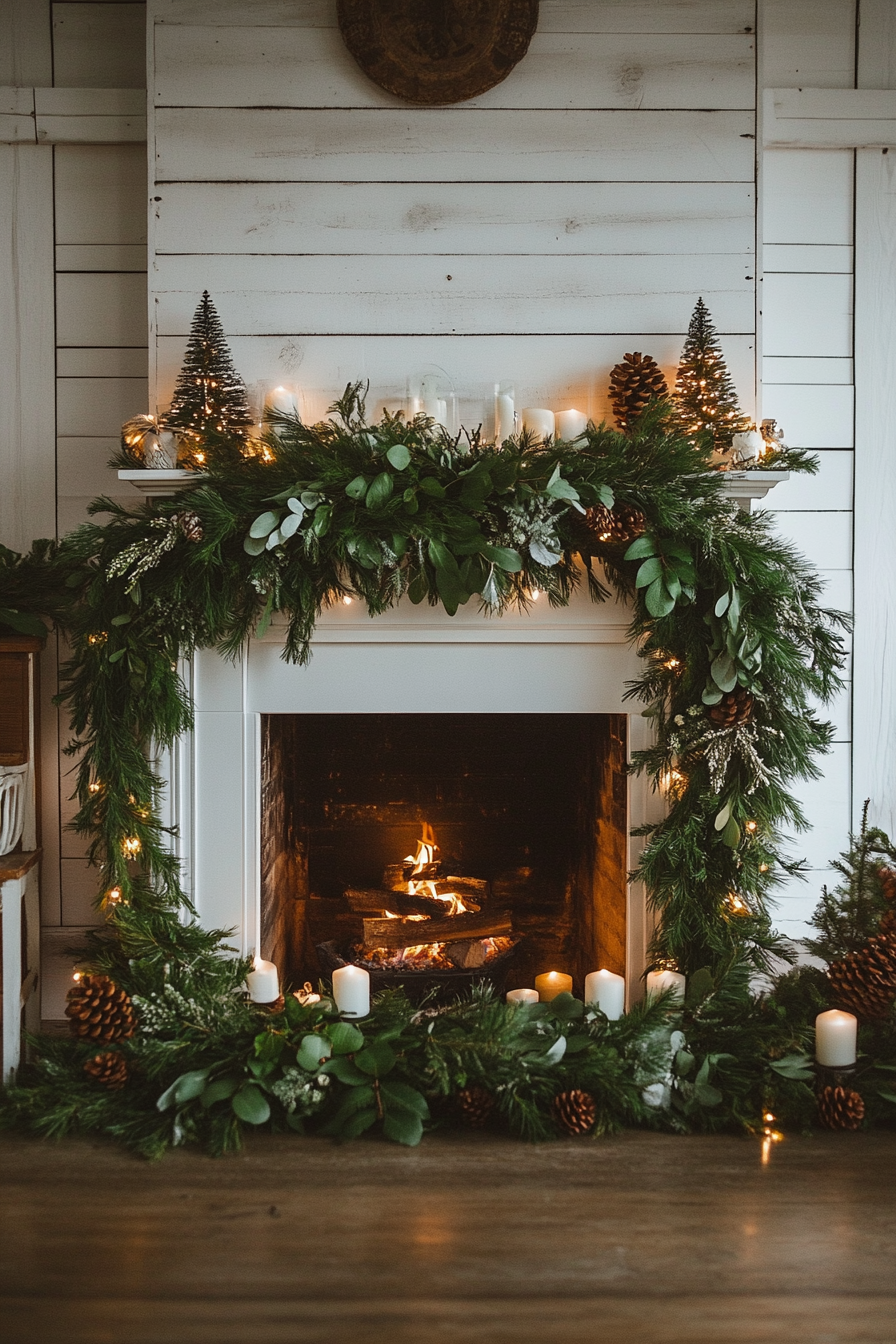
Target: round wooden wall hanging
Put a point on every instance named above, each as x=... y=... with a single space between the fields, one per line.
x=437 y=51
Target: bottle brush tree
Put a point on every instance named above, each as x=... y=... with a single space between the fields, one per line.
x=209 y=396
x=704 y=390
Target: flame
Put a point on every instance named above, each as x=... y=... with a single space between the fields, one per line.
x=424 y=856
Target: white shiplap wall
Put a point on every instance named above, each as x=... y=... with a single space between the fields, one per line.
x=533 y=234
x=807 y=311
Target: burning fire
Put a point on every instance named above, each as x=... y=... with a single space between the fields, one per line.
x=421 y=880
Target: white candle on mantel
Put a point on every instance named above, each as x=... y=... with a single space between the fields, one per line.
x=835 y=1039
x=283 y=400
x=659 y=981
x=538 y=422
x=263 y=982
x=552 y=983
x=522 y=996
x=504 y=412
x=570 y=424
x=351 y=990
x=606 y=990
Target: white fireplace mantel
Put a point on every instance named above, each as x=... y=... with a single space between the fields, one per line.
x=575 y=659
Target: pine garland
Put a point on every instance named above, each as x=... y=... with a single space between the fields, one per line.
x=402 y=510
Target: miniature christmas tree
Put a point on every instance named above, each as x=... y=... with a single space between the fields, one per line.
x=847 y=917
x=704 y=391
x=209 y=395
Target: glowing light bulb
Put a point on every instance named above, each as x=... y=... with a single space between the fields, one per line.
x=751 y=826
x=131 y=846
x=346 y=601
x=535 y=594
x=95 y=787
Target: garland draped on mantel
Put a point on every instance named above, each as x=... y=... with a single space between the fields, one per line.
x=736 y=646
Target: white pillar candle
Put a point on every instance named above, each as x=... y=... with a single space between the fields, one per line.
x=570 y=424
x=263 y=982
x=552 y=983
x=283 y=400
x=430 y=402
x=522 y=996
x=659 y=981
x=538 y=422
x=504 y=412
x=835 y=1039
x=351 y=990
x=606 y=991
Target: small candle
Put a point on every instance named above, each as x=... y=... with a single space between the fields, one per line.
x=263 y=982
x=539 y=422
x=283 y=400
x=606 y=991
x=431 y=402
x=747 y=446
x=522 y=996
x=505 y=421
x=552 y=983
x=351 y=990
x=835 y=1039
x=658 y=981
x=570 y=424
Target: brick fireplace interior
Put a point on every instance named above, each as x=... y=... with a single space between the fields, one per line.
x=534 y=805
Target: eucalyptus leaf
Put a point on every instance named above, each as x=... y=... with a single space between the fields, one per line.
x=265 y=523
x=250 y=1104
x=650 y=570
x=542 y=556
x=606 y=496
x=345 y=1038
x=722 y=816
x=254 y=545
x=399 y=456
x=658 y=601
x=357 y=488
x=380 y=490
x=643 y=546
x=731 y=834
x=291 y=524
x=403 y=1127
x=296 y=506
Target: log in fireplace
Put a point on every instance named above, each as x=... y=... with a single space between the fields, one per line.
x=438 y=848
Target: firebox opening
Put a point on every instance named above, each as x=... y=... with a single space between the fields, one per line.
x=372 y=823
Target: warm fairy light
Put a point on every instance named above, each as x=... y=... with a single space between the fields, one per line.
x=113 y=896
x=768 y=1117
x=763 y=867
x=346 y=601
x=671 y=782
x=76 y=976
x=266 y=454
x=95 y=787
x=200 y=457
x=736 y=904
x=751 y=826
x=604 y=536
x=535 y=594
x=671 y=663
x=99 y=638
x=131 y=846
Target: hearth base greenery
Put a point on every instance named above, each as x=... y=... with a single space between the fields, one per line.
x=737 y=650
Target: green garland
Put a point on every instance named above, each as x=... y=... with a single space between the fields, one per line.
x=401 y=510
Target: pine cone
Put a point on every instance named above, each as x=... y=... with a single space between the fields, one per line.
x=190 y=525
x=621 y=524
x=888 y=925
x=99 y=1010
x=633 y=382
x=476 y=1105
x=734 y=708
x=887 y=877
x=109 y=1068
x=840 y=1108
x=574 y=1111
x=864 y=982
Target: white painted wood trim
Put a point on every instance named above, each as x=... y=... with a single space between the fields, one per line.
x=828 y=118
x=72 y=116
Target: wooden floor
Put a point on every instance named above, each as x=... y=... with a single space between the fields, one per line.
x=468 y=1238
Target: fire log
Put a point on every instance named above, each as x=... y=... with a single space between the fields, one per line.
x=374 y=900
x=454 y=928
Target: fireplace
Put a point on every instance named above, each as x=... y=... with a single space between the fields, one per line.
x=438 y=848
x=481 y=700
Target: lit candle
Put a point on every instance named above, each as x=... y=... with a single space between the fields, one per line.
x=835 y=1039
x=552 y=983
x=606 y=991
x=570 y=424
x=351 y=990
x=505 y=422
x=263 y=982
x=658 y=981
x=522 y=996
x=283 y=400
x=538 y=422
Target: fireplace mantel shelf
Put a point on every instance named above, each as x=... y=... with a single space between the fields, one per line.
x=741 y=486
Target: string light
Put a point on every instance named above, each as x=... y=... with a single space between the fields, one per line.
x=535 y=594
x=94 y=787
x=76 y=976
x=99 y=638
x=751 y=826
x=113 y=896
x=131 y=846
x=763 y=867
x=346 y=601
x=736 y=904
x=671 y=663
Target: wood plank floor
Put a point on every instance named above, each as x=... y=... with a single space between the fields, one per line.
x=470 y=1239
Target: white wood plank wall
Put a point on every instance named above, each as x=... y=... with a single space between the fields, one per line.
x=807 y=232
x=99 y=210
x=534 y=234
